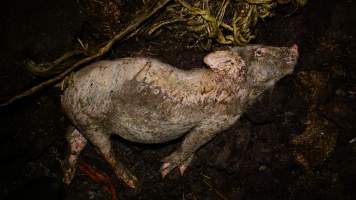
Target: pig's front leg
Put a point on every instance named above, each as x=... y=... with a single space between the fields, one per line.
x=196 y=138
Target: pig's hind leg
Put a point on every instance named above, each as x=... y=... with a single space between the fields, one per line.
x=102 y=142
x=76 y=142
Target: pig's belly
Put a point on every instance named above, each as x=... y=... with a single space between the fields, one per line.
x=146 y=134
x=152 y=127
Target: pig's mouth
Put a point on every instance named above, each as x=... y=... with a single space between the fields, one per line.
x=290 y=61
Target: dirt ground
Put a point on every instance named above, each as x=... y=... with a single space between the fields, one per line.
x=297 y=142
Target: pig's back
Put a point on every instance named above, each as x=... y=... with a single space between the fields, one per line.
x=99 y=95
x=88 y=91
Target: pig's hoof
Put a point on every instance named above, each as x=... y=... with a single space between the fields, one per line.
x=175 y=160
x=69 y=170
x=68 y=175
x=127 y=177
x=131 y=181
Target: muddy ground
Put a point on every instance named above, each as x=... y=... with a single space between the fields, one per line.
x=295 y=143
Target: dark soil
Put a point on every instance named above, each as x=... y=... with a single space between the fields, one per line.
x=295 y=143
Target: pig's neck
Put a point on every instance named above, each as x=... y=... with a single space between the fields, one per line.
x=219 y=87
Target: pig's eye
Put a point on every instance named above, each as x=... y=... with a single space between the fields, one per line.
x=258 y=52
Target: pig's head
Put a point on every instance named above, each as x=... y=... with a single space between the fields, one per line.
x=255 y=65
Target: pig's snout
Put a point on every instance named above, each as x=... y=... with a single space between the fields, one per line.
x=294 y=51
x=290 y=58
x=293 y=54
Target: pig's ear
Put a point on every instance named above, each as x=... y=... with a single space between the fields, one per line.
x=222 y=60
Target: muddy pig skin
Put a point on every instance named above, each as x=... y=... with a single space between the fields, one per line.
x=144 y=100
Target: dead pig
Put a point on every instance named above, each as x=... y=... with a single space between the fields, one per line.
x=147 y=101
